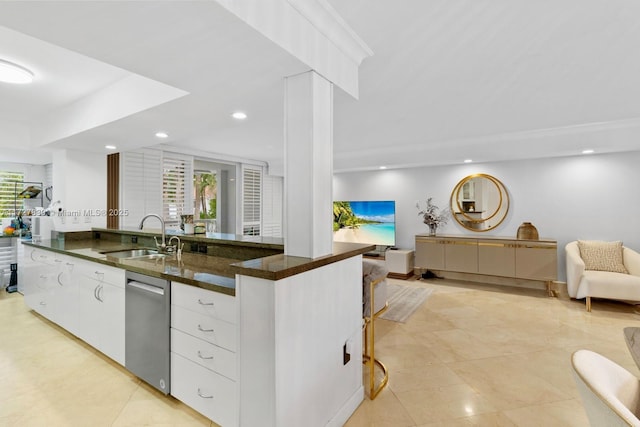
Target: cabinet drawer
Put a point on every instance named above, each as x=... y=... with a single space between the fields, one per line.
x=213 y=395
x=99 y=272
x=203 y=353
x=213 y=304
x=212 y=330
x=36 y=255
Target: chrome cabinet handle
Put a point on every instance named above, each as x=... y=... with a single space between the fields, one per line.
x=59 y=282
x=203 y=396
x=43 y=303
x=100 y=289
x=95 y=292
x=204 y=357
x=57 y=260
x=204 y=330
x=42 y=276
x=204 y=303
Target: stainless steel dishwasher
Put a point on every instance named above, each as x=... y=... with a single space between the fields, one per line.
x=147 y=329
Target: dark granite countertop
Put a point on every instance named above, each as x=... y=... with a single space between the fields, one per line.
x=276 y=267
x=205 y=271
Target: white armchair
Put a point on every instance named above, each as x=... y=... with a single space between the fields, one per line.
x=610 y=394
x=583 y=283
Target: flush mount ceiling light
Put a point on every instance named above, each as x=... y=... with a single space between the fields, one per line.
x=14 y=73
x=468 y=161
x=382 y=167
x=110 y=147
x=162 y=135
x=587 y=151
x=239 y=115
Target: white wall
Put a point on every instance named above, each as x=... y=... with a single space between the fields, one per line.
x=582 y=197
x=80 y=183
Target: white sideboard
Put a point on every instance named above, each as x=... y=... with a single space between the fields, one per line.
x=492 y=256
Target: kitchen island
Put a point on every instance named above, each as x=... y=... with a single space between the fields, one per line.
x=294 y=355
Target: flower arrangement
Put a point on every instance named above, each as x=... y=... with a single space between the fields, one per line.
x=432 y=216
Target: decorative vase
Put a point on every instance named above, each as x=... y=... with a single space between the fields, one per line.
x=432 y=229
x=527 y=231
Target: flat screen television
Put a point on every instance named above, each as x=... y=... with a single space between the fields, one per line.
x=372 y=222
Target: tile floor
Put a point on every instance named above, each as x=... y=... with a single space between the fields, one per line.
x=472 y=355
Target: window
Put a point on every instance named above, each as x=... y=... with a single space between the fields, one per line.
x=140 y=185
x=177 y=184
x=251 y=200
x=205 y=190
x=272 y=206
x=7 y=193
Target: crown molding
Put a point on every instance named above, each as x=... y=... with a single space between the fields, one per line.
x=330 y=24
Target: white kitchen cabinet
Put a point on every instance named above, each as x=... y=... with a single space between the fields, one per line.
x=38 y=271
x=213 y=395
x=203 y=357
x=101 y=307
x=84 y=297
x=49 y=287
x=64 y=293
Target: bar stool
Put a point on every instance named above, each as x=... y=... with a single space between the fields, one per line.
x=374 y=286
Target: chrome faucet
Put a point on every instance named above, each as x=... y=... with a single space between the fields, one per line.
x=162 y=247
x=177 y=249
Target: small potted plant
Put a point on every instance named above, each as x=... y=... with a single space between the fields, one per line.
x=433 y=216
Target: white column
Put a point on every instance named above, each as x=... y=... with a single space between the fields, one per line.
x=308 y=165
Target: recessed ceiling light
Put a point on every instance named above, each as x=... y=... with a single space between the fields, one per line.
x=110 y=147
x=162 y=135
x=239 y=115
x=468 y=160
x=14 y=73
x=383 y=167
x=587 y=151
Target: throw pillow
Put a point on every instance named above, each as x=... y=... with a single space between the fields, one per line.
x=602 y=256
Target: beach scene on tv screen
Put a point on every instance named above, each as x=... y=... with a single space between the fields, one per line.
x=371 y=222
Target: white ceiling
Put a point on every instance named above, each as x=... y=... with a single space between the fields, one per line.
x=489 y=80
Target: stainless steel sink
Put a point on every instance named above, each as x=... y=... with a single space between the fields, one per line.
x=136 y=253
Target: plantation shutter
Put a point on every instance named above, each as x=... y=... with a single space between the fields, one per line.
x=8 y=193
x=140 y=185
x=177 y=187
x=272 y=206
x=251 y=200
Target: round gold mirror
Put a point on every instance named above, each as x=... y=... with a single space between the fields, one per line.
x=479 y=202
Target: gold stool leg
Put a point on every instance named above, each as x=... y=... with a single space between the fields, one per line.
x=368 y=358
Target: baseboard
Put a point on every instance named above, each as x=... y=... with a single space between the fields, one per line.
x=347 y=409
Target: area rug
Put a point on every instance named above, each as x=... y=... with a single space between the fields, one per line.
x=404 y=301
